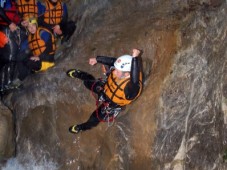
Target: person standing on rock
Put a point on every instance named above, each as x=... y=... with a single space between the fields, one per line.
x=122 y=86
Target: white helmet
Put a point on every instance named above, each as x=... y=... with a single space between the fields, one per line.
x=123 y=63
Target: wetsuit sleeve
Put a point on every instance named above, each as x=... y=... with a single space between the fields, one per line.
x=64 y=17
x=41 y=8
x=4 y=16
x=45 y=25
x=46 y=36
x=106 y=60
x=133 y=86
x=41 y=12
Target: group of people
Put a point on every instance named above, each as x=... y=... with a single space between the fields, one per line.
x=29 y=30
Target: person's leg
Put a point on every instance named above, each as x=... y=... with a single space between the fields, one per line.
x=10 y=72
x=96 y=117
x=91 y=122
x=34 y=65
x=89 y=81
x=2 y=77
x=26 y=67
x=95 y=86
x=87 y=78
x=2 y=64
x=68 y=31
x=7 y=74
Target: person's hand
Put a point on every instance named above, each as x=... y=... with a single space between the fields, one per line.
x=92 y=61
x=12 y=27
x=35 y=58
x=135 y=52
x=57 y=29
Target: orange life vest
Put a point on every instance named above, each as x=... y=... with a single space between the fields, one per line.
x=37 y=45
x=53 y=14
x=114 y=89
x=27 y=8
x=12 y=14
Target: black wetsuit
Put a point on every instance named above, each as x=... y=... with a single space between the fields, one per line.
x=131 y=91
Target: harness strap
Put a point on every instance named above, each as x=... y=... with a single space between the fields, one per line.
x=108 y=118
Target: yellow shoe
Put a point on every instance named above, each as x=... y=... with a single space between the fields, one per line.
x=71 y=73
x=74 y=129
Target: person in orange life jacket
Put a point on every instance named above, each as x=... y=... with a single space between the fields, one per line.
x=42 y=45
x=28 y=9
x=8 y=14
x=123 y=85
x=55 y=18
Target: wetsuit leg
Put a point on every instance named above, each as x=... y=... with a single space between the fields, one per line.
x=2 y=63
x=7 y=74
x=26 y=67
x=2 y=77
x=94 y=119
x=10 y=72
x=95 y=86
x=68 y=30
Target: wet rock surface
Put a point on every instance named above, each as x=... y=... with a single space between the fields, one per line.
x=179 y=122
x=7 y=134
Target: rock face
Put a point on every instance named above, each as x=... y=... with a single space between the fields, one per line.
x=7 y=134
x=191 y=118
x=178 y=122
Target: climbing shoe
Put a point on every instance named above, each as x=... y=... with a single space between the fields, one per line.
x=75 y=129
x=74 y=73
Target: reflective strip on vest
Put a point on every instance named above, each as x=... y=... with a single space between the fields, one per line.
x=114 y=89
x=53 y=14
x=28 y=8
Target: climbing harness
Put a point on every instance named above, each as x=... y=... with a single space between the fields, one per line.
x=109 y=112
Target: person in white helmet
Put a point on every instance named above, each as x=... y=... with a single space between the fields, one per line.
x=122 y=85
